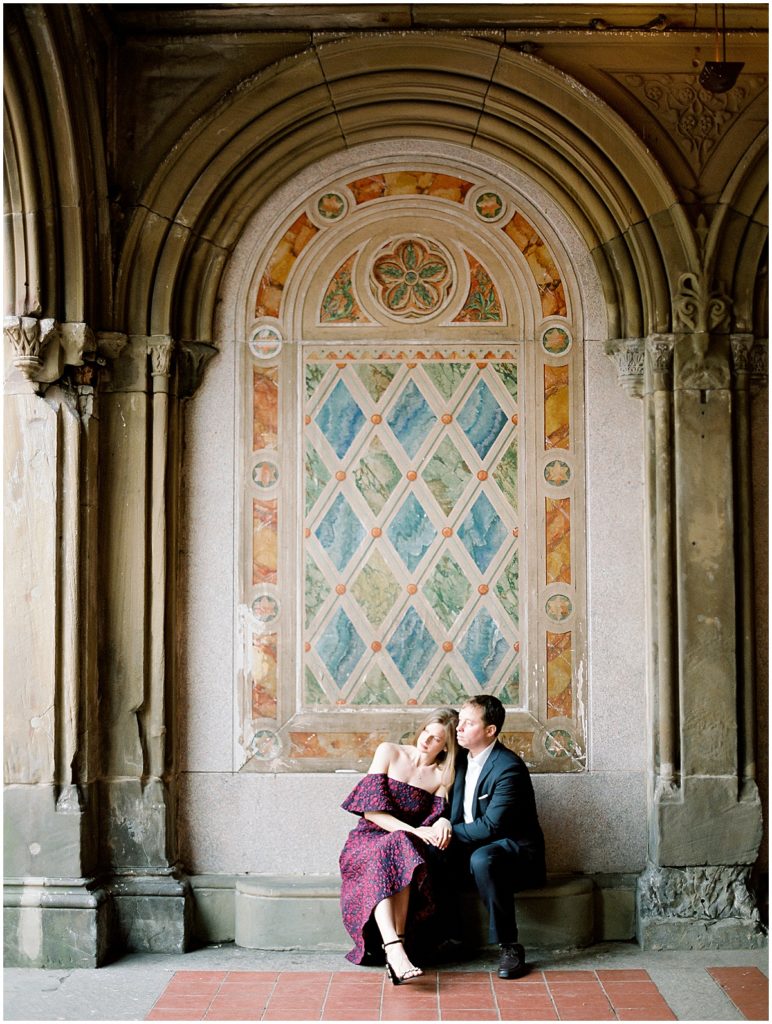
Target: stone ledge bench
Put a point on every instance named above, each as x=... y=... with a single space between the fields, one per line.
x=303 y=912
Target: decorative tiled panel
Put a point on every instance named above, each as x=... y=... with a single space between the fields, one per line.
x=413 y=596
x=413 y=505
x=264 y=479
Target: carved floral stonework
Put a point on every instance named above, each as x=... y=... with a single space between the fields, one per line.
x=759 y=363
x=160 y=351
x=697 y=307
x=28 y=338
x=712 y=893
x=629 y=356
x=741 y=345
x=660 y=349
x=694 y=118
x=411 y=278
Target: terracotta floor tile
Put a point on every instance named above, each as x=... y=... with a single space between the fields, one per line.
x=469 y=1015
x=201 y=975
x=171 y=1015
x=464 y=978
x=234 y=1014
x=624 y=975
x=408 y=1014
x=250 y=977
x=535 y=1001
x=270 y=1014
x=351 y=1015
x=528 y=1014
x=579 y=976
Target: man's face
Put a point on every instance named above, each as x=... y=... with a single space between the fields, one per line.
x=471 y=733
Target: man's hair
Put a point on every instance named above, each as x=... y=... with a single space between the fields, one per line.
x=491 y=710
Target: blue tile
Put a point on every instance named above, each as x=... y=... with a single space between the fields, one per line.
x=411 y=647
x=340 y=533
x=483 y=647
x=340 y=647
x=340 y=419
x=411 y=532
x=482 y=532
x=411 y=419
x=482 y=419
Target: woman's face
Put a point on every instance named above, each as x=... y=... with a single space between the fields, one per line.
x=432 y=740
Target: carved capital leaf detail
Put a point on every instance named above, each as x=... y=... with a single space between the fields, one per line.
x=160 y=350
x=628 y=355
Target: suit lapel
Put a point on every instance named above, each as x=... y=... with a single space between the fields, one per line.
x=457 y=805
x=485 y=775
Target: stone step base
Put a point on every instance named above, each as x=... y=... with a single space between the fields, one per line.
x=303 y=912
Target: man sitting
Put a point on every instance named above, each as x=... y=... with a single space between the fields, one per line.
x=496 y=833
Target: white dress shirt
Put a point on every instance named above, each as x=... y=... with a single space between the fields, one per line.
x=474 y=765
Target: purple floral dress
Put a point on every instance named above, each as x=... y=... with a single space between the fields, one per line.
x=376 y=864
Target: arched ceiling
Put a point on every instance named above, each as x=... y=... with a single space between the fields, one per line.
x=469 y=92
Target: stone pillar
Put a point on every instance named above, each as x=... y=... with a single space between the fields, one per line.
x=152 y=902
x=705 y=823
x=55 y=911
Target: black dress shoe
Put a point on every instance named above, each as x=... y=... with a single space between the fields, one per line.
x=512 y=963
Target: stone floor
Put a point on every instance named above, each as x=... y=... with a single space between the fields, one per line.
x=612 y=981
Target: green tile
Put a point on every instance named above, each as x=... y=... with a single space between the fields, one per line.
x=376 y=377
x=317 y=590
x=317 y=476
x=376 y=690
x=447 y=690
x=447 y=589
x=446 y=376
x=376 y=589
x=505 y=474
x=376 y=476
x=447 y=475
x=508 y=588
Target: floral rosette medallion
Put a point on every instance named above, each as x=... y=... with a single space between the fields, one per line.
x=411 y=279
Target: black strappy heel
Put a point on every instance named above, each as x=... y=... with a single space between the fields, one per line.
x=410 y=973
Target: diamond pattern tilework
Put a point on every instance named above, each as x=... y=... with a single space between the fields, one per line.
x=317 y=476
x=447 y=475
x=446 y=376
x=340 y=647
x=483 y=647
x=411 y=418
x=340 y=419
x=376 y=377
x=447 y=589
x=505 y=474
x=376 y=690
x=314 y=374
x=386 y=612
x=482 y=532
x=340 y=533
x=448 y=689
x=411 y=647
x=411 y=532
x=482 y=419
x=317 y=589
x=508 y=588
x=376 y=589
x=376 y=475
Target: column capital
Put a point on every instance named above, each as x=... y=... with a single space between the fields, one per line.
x=759 y=363
x=42 y=347
x=628 y=355
x=160 y=348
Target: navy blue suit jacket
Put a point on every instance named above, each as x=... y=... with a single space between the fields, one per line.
x=504 y=805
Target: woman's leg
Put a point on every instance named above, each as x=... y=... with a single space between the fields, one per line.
x=390 y=916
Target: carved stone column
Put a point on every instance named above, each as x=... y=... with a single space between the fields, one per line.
x=705 y=822
x=152 y=903
x=56 y=913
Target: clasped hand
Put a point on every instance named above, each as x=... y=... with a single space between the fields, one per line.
x=437 y=834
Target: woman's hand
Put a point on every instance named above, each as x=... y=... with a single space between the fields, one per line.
x=428 y=835
x=443 y=830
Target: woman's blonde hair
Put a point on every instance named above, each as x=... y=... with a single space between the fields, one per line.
x=448 y=718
